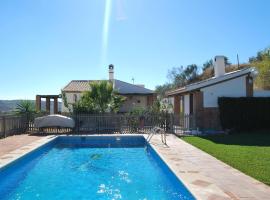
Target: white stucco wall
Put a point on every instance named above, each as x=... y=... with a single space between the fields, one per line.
x=186 y=104
x=134 y=102
x=70 y=99
x=232 y=88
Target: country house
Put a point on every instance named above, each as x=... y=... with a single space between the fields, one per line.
x=137 y=96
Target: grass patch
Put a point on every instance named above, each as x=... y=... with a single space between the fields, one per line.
x=249 y=153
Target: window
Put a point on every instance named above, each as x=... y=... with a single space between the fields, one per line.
x=75 y=98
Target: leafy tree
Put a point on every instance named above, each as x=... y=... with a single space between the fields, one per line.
x=99 y=99
x=261 y=55
x=65 y=102
x=227 y=61
x=161 y=89
x=262 y=65
x=208 y=64
x=181 y=76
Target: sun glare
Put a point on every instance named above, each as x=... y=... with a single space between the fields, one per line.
x=105 y=32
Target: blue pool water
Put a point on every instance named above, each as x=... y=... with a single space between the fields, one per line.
x=92 y=168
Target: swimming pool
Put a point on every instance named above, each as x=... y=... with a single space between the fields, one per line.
x=92 y=167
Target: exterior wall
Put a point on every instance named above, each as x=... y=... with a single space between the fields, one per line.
x=134 y=101
x=70 y=99
x=233 y=88
x=186 y=104
x=168 y=104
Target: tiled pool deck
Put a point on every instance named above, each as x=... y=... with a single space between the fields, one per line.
x=15 y=142
x=205 y=176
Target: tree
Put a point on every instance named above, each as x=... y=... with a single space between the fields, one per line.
x=178 y=76
x=162 y=89
x=25 y=107
x=227 y=61
x=99 y=99
x=181 y=76
x=208 y=64
x=262 y=80
x=260 y=55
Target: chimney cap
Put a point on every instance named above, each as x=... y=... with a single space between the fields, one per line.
x=111 y=66
x=219 y=57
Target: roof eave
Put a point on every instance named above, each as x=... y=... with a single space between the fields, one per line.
x=189 y=88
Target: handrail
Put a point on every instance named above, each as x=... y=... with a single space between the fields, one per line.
x=157 y=130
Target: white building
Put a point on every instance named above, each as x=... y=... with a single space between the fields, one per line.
x=201 y=98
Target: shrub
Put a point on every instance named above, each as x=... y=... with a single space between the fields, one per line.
x=245 y=113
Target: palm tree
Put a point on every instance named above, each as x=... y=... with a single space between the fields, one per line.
x=99 y=99
x=25 y=107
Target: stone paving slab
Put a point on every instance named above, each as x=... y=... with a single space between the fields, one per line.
x=12 y=143
x=14 y=147
x=206 y=177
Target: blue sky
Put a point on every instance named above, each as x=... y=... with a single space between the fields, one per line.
x=46 y=43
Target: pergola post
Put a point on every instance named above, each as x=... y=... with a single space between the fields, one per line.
x=48 y=104
x=55 y=106
x=38 y=103
x=176 y=106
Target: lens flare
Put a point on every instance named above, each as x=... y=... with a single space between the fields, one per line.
x=105 y=32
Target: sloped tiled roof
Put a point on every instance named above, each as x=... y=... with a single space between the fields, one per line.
x=127 y=88
x=77 y=86
x=121 y=86
x=214 y=80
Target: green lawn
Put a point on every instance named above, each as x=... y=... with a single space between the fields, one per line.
x=249 y=153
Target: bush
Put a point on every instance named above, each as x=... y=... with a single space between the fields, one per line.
x=245 y=113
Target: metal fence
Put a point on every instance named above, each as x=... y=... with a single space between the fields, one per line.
x=183 y=123
x=102 y=124
x=119 y=123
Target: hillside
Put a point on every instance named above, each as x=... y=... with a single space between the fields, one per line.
x=9 y=105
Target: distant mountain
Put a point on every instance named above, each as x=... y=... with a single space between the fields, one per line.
x=7 y=106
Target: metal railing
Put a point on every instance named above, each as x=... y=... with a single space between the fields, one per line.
x=103 y=124
x=157 y=130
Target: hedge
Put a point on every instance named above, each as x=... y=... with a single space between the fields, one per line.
x=244 y=113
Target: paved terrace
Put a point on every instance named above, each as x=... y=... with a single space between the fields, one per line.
x=15 y=142
x=205 y=176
